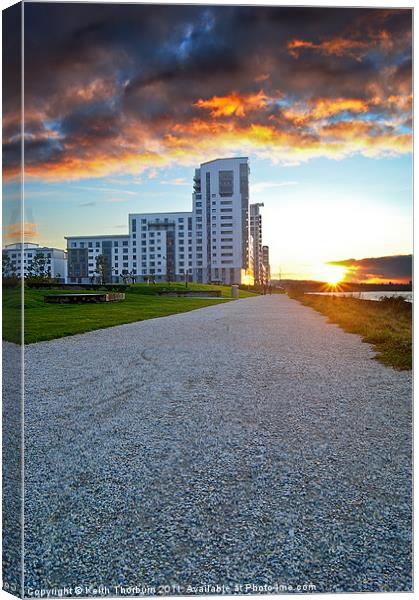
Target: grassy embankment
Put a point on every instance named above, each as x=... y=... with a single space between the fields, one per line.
x=387 y=324
x=48 y=321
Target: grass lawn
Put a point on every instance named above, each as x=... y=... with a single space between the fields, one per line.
x=387 y=324
x=48 y=321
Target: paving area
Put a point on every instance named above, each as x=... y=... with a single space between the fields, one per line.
x=247 y=443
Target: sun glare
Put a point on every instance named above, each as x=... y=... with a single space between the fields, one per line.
x=331 y=274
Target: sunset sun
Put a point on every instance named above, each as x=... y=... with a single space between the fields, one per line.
x=332 y=274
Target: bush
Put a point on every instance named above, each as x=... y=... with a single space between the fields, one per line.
x=11 y=282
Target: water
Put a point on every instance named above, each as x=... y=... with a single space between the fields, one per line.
x=408 y=296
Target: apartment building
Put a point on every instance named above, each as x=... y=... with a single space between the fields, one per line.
x=82 y=252
x=256 y=238
x=212 y=243
x=161 y=245
x=220 y=206
x=22 y=256
x=265 y=264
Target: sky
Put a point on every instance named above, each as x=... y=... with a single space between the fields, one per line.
x=122 y=102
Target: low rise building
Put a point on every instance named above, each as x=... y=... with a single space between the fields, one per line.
x=22 y=260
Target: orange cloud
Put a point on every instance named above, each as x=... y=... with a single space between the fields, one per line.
x=16 y=231
x=341 y=46
x=234 y=104
x=323 y=108
x=337 y=46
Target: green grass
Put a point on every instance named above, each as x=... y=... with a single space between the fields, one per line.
x=48 y=321
x=387 y=324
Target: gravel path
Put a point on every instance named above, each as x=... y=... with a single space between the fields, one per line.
x=243 y=443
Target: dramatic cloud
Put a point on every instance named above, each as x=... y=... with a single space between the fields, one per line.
x=126 y=88
x=397 y=269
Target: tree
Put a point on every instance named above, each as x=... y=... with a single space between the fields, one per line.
x=9 y=270
x=125 y=276
x=37 y=266
x=101 y=268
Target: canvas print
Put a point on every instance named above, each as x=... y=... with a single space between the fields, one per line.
x=207 y=299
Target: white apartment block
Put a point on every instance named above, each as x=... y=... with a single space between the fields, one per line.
x=213 y=243
x=221 y=251
x=22 y=255
x=83 y=250
x=256 y=238
x=161 y=245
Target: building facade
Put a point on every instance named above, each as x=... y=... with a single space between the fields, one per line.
x=220 y=206
x=161 y=245
x=266 y=265
x=22 y=259
x=256 y=238
x=212 y=243
x=82 y=252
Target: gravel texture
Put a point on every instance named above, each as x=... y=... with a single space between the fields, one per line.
x=245 y=443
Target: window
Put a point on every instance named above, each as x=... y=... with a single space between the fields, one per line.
x=97 y=244
x=90 y=244
x=81 y=244
x=73 y=245
x=115 y=243
x=125 y=264
x=134 y=225
x=225 y=210
x=225 y=183
x=144 y=228
x=125 y=243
